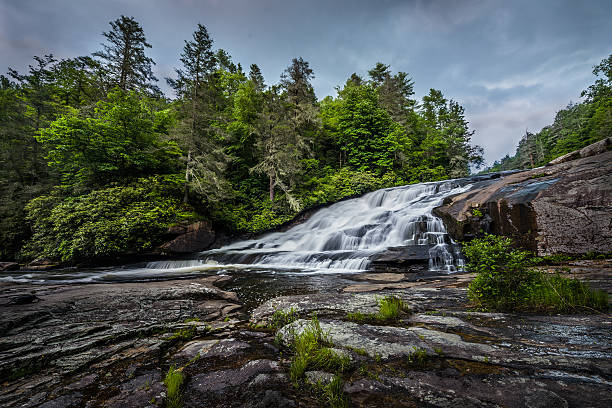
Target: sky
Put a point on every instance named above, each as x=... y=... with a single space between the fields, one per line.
x=512 y=64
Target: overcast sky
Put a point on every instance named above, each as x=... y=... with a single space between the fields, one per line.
x=511 y=64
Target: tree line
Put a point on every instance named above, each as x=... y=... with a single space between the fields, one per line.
x=97 y=162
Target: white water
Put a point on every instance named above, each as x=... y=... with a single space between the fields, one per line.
x=338 y=238
x=343 y=236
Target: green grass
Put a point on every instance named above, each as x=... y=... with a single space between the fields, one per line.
x=505 y=281
x=185 y=334
x=174 y=382
x=389 y=308
x=418 y=358
x=334 y=393
x=282 y=318
x=311 y=351
x=562 y=295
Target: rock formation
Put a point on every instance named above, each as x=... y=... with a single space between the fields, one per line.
x=564 y=207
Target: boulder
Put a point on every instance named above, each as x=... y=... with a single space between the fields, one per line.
x=561 y=208
x=193 y=238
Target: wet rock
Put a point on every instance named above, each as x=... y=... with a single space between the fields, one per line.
x=220 y=380
x=65 y=401
x=194 y=238
x=562 y=208
x=271 y=399
x=544 y=399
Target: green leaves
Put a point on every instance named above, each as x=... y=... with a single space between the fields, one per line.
x=104 y=223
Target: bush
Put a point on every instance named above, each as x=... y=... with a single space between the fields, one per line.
x=103 y=223
x=505 y=282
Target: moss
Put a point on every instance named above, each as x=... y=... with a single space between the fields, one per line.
x=185 y=334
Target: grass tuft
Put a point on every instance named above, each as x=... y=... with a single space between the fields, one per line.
x=334 y=393
x=174 y=382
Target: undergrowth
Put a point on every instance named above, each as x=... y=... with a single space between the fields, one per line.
x=505 y=282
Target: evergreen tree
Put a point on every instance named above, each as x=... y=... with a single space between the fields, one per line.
x=296 y=82
x=256 y=77
x=123 y=57
x=198 y=94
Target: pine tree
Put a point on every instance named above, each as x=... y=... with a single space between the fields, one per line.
x=195 y=87
x=256 y=77
x=124 y=59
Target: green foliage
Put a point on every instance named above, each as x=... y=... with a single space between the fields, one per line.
x=120 y=142
x=334 y=393
x=504 y=281
x=310 y=351
x=174 y=383
x=502 y=274
x=282 y=318
x=103 y=223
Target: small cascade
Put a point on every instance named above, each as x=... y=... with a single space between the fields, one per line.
x=345 y=235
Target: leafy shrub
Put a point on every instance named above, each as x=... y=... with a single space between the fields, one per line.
x=104 y=223
x=504 y=281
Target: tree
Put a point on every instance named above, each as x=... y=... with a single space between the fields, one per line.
x=280 y=146
x=602 y=88
x=364 y=131
x=256 y=77
x=196 y=87
x=296 y=81
x=124 y=59
x=121 y=142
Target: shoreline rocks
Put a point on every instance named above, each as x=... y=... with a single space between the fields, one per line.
x=561 y=208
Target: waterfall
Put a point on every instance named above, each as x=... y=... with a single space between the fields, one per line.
x=343 y=236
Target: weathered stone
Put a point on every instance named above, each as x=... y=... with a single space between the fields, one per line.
x=219 y=380
x=197 y=237
x=318 y=377
x=563 y=208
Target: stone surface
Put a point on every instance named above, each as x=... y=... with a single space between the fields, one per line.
x=193 y=238
x=562 y=208
x=111 y=345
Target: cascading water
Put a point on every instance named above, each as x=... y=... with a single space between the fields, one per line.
x=340 y=238
x=344 y=236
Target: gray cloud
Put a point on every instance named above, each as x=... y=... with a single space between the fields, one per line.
x=511 y=64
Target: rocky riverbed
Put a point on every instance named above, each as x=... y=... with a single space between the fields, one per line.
x=110 y=345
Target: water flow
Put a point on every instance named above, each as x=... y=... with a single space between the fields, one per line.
x=344 y=236
x=340 y=238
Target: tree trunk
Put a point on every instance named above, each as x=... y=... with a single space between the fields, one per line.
x=272 y=185
x=186 y=190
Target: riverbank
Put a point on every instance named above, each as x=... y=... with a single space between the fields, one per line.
x=111 y=344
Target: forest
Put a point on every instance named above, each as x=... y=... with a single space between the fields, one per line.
x=97 y=162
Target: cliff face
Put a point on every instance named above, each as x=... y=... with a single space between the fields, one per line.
x=564 y=207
